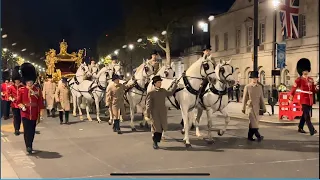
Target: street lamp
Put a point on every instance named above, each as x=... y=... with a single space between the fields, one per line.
x=164 y=32
x=23 y=49
x=124 y=46
x=5 y=49
x=201 y=24
x=275 y=6
x=13 y=44
x=131 y=46
x=211 y=18
x=139 y=40
x=116 y=52
x=155 y=39
x=4 y=36
x=14 y=55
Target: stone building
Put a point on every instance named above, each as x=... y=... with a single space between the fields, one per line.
x=231 y=36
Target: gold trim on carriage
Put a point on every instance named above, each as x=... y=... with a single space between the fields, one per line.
x=63 y=64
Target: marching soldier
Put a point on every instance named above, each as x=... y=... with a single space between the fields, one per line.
x=49 y=89
x=30 y=101
x=115 y=100
x=307 y=87
x=253 y=101
x=63 y=100
x=5 y=86
x=93 y=68
x=13 y=95
x=156 y=110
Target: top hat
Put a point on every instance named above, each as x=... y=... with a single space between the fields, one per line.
x=115 y=77
x=6 y=75
x=156 y=79
x=114 y=57
x=303 y=65
x=206 y=47
x=28 y=72
x=16 y=74
x=154 y=52
x=254 y=74
x=64 y=80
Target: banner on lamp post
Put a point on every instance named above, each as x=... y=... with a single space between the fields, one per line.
x=281 y=55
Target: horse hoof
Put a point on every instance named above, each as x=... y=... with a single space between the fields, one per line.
x=188 y=146
x=99 y=121
x=210 y=142
x=182 y=131
x=74 y=115
x=81 y=118
x=133 y=129
x=220 y=132
x=109 y=123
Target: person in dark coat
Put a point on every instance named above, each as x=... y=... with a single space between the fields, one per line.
x=30 y=101
x=156 y=110
x=237 y=90
x=307 y=87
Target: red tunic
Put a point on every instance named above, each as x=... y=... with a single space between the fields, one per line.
x=13 y=92
x=4 y=91
x=307 y=87
x=32 y=100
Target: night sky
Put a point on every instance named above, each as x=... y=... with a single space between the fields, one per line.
x=41 y=24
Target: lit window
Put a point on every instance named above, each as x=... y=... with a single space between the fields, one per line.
x=249 y=36
x=262 y=32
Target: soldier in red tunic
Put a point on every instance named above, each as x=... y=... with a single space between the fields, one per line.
x=30 y=101
x=5 y=106
x=307 y=87
x=13 y=95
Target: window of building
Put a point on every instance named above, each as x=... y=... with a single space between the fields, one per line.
x=302 y=25
x=262 y=77
x=249 y=36
x=225 y=41
x=238 y=36
x=286 y=77
x=216 y=43
x=262 y=32
x=248 y=75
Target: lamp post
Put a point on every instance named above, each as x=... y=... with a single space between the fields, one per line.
x=274 y=62
x=131 y=46
x=255 y=35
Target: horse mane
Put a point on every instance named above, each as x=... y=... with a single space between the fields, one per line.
x=194 y=66
x=140 y=67
x=102 y=70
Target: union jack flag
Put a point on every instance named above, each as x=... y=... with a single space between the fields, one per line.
x=289 y=17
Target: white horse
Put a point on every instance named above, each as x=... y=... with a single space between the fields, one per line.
x=215 y=98
x=137 y=95
x=94 y=91
x=187 y=93
x=74 y=83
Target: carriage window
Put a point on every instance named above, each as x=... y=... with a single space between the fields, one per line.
x=263 y=77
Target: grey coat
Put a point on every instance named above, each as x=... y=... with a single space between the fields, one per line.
x=156 y=108
x=252 y=102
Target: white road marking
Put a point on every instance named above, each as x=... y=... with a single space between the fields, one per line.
x=21 y=159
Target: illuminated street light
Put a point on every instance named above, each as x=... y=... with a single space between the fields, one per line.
x=201 y=24
x=211 y=18
x=13 y=44
x=5 y=49
x=128 y=74
x=131 y=46
x=14 y=55
x=124 y=46
x=139 y=40
x=23 y=49
x=164 y=32
x=4 y=36
x=155 y=39
x=275 y=3
x=116 y=52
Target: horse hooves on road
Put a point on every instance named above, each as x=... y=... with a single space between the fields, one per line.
x=99 y=121
x=134 y=129
x=188 y=146
x=220 y=133
x=110 y=123
x=182 y=131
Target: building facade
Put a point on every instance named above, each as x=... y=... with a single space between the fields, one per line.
x=231 y=36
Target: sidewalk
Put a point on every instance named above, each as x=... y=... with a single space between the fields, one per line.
x=6 y=169
x=234 y=111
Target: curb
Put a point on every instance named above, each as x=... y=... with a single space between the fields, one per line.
x=262 y=121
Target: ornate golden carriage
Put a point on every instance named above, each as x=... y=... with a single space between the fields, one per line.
x=63 y=64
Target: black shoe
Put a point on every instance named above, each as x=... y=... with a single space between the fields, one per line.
x=48 y=113
x=119 y=131
x=67 y=123
x=313 y=132
x=61 y=122
x=29 y=150
x=17 y=133
x=251 y=139
x=250 y=135
x=155 y=145
x=260 y=138
x=301 y=131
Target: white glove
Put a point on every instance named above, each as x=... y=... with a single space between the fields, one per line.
x=23 y=108
x=11 y=99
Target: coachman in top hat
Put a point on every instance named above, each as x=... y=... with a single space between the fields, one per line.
x=13 y=96
x=307 y=87
x=30 y=101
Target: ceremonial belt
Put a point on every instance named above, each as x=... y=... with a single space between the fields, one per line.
x=306 y=92
x=31 y=104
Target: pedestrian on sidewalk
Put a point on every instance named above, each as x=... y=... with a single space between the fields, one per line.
x=5 y=86
x=30 y=101
x=13 y=96
x=307 y=87
x=253 y=101
x=156 y=110
x=62 y=97
x=49 y=88
x=237 y=90
x=115 y=100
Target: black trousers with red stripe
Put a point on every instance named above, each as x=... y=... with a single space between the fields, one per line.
x=16 y=118
x=29 y=127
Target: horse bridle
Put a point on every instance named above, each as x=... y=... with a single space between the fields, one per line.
x=222 y=71
x=206 y=67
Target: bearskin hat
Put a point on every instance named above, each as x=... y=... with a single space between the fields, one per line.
x=114 y=57
x=303 y=65
x=28 y=72
x=6 y=75
x=16 y=74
